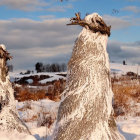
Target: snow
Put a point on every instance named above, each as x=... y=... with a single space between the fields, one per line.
x=115 y=68
x=56 y=77
x=130 y=128
x=3 y=46
x=39 y=132
x=123 y=69
x=89 y=18
x=15 y=136
x=28 y=109
x=18 y=75
x=30 y=81
x=53 y=76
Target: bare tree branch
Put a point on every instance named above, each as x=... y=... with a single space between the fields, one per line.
x=97 y=25
x=5 y=54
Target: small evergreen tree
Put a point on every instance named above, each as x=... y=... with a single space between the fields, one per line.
x=39 y=67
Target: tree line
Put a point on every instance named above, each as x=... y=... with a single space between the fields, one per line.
x=54 y=67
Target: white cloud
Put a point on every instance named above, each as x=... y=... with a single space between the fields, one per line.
x=134 y=9
x=120 y=51
x=31 y=41
x=123 y=22
x=117 y=22
x=50 y=40
x=25 y=5
x=33 y=5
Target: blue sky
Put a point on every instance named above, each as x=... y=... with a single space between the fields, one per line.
x=35 y=30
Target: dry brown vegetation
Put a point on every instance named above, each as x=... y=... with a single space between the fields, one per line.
x=50 y=90
x=24 y=94
x=126 y=95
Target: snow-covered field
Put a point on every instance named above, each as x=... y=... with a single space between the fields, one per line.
x=123 y=69
x=40 y=115
x=129 y=127
x=53 y=76
x=115 y=68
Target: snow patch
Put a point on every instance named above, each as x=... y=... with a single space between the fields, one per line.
x=91 y=17
x=130 y=128
x=30 y=81
x=123 y=69
x=56 y=77
x=3 y=46
x=15 y=136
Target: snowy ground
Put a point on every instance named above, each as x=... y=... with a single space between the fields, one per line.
x=35 y=112
x=53 y=76
x=123 y=69
x=115 y=68
x=129 y=127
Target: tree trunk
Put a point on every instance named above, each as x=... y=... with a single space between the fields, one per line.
x=9 y=119
x=85 y=111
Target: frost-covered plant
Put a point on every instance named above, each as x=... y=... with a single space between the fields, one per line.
x=9 y=119
x=85 y=111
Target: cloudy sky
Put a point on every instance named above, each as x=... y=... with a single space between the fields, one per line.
x=36 y=31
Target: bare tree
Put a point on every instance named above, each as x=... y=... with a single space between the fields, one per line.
x=63 y=67
x=85 y=111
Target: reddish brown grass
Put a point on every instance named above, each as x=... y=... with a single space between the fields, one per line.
x=124 y=93
x=34 y=118
x=24 y=94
